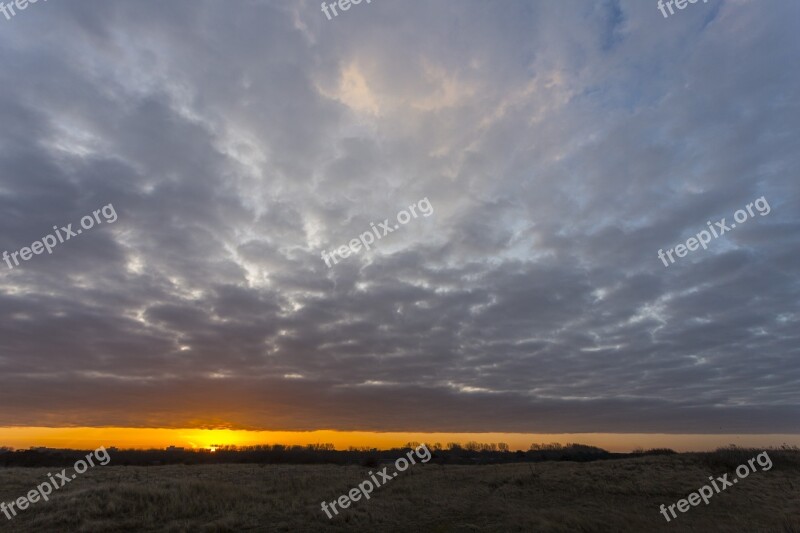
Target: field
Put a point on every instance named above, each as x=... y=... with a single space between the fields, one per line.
x=602 y=496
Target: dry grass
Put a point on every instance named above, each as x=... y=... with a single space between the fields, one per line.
x=620 y=496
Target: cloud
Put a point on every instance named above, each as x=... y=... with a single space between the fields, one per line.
x=561 y=145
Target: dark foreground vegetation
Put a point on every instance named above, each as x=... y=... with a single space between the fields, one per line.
x=621 y=495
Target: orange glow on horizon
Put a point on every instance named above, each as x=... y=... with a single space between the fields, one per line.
x=142 y=438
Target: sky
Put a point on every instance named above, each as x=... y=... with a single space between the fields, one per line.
x=551 y=149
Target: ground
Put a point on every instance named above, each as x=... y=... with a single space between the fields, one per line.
x=603 y=496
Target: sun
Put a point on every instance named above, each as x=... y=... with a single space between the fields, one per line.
x=211 y=439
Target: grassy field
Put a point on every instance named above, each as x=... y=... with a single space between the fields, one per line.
x=603 y=496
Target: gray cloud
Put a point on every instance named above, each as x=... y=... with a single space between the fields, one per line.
x=561 y=145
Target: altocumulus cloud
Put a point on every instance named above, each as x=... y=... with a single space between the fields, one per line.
x=562 y=143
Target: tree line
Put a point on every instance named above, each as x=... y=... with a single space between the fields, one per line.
x=470 y=452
